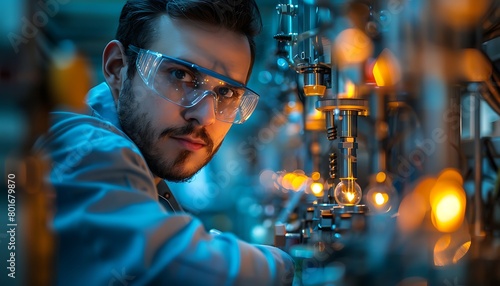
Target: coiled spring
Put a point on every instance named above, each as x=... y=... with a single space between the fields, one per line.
x=333 y=166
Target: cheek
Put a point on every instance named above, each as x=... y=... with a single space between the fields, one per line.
x=160 y=111
x=218 y=131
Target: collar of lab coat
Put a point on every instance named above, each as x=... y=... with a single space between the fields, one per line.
x=102 y=104
x=101 y=101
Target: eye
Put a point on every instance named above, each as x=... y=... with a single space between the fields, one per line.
x=225 y=92
x=182 y=75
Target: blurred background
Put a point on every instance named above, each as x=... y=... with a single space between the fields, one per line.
x=411 y=86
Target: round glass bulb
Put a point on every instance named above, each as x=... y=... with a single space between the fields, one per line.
x=381 y=197
x=347 y=192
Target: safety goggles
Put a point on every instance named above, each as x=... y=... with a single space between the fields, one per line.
x=186 y=84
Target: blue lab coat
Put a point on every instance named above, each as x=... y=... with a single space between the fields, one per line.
x=110 y=226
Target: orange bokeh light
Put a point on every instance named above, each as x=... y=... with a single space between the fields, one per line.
x=448 y=202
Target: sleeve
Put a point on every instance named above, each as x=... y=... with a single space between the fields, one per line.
x=111 y=230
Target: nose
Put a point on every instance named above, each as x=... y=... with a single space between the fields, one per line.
x=204 y=111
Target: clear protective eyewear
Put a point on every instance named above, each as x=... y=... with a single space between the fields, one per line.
x=186 y=84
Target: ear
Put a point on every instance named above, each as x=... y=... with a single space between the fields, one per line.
x=114 y=66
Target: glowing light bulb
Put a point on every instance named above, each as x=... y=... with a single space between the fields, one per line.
x=381 y=197
x=317 y=188
x=347 y=192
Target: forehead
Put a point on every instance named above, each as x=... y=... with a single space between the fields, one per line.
x=211 y=47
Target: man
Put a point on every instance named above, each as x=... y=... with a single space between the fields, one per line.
x=174 y=86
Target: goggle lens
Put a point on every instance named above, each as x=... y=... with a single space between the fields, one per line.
x=186 y=84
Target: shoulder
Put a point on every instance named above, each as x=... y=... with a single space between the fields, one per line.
x=86 y=149
x=69 y=130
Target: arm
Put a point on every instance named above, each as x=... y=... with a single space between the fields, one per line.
x=112 y=230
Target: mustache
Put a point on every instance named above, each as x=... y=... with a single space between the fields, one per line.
x=188 y=129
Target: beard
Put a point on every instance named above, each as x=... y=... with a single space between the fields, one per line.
x=139 y=128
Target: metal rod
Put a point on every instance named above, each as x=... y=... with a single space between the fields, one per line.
x=478 y=202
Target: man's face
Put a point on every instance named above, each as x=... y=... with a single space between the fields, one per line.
x=176 y=141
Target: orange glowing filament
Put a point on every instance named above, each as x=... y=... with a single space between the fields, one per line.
x=380 y=199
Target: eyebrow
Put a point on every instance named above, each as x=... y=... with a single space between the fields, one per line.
x=195 y=66
x=206 y=70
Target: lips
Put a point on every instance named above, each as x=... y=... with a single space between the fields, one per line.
x=191 y=144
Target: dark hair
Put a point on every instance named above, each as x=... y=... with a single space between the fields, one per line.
x=138 y=19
